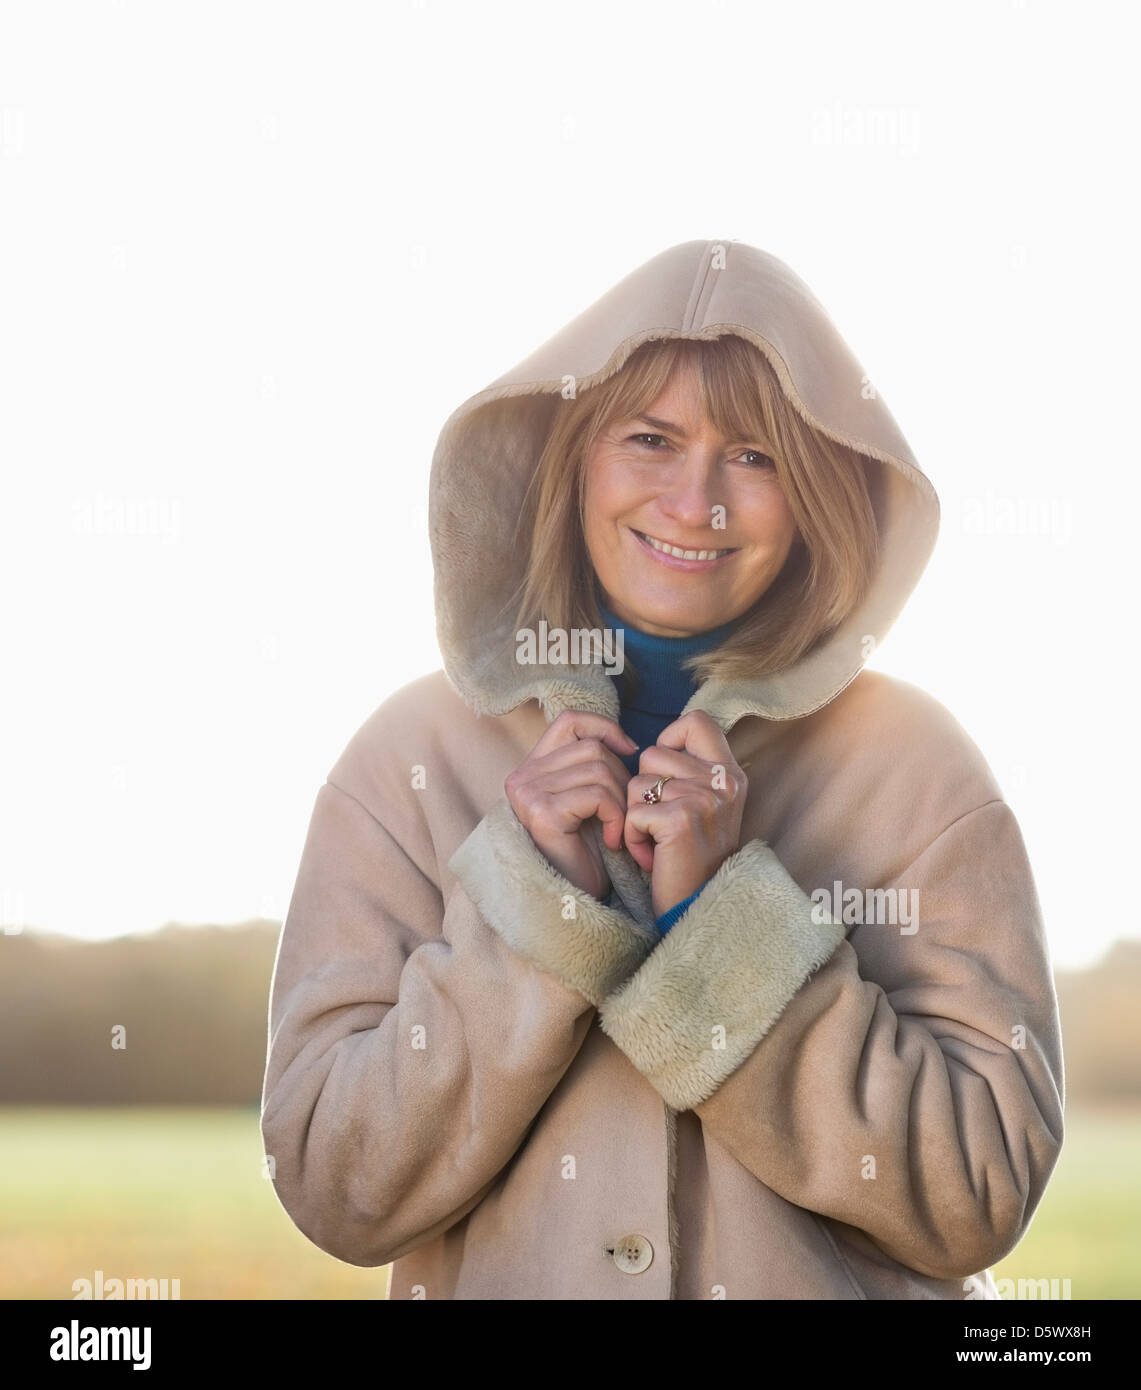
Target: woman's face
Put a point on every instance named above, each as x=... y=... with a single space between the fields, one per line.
x=668 y=475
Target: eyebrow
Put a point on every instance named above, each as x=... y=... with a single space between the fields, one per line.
x=661 y=424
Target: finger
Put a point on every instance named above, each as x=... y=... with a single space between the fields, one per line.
x=639 y=842
x=672 y=790
x=657 y=761
x=575 y=724
x=612 y=814
x=535 y=780
x=595 y=775
x=565 y=810
x=699 y=734
x=646 y=825
x=580 y=751
x=643 y=820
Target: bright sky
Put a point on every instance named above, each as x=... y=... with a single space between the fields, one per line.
x=253 y=255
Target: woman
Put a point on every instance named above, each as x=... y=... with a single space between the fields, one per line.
x=827 y=1060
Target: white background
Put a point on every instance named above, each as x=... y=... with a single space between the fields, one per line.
x=253 y=255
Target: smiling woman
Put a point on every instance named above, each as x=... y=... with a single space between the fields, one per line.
x=557 y=1010
x=733 y=467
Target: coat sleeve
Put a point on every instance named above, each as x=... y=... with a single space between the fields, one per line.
x=409 y=1048
x=906 y=1081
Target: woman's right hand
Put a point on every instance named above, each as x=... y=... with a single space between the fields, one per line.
x=572 y=774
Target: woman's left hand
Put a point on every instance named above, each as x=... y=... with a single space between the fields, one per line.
x=683 y=839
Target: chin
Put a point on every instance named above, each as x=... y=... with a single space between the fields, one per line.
x=687 y=615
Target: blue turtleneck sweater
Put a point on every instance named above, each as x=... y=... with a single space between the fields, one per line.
x=664 y=687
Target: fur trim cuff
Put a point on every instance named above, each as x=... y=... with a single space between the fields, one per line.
x=700 y=1004
x=527 y=901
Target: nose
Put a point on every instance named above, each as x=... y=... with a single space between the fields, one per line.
x=688 y=498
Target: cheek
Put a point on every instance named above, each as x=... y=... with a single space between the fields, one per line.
x=597 y=513
x=769 y=520
x=607 y=496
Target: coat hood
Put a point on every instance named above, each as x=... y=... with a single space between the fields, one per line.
x=490 y=445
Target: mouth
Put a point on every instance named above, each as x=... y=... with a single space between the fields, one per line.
x=680 y=557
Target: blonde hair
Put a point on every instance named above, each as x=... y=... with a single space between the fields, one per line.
x=825 y=483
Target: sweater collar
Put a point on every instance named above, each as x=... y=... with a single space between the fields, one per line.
x=663 y=685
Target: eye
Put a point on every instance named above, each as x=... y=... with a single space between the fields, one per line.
x=641 y=437
x=761 y=460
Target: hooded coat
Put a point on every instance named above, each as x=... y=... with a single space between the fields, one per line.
x=787 y=1096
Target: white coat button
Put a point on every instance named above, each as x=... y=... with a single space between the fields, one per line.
x=633 y=1254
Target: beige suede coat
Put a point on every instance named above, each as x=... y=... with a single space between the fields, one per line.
x=805 y=1090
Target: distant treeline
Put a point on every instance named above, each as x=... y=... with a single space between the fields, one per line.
x=192 y=1004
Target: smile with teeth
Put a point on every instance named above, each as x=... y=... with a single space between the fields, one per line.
x=679 y=553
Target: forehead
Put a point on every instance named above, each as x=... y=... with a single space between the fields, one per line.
x=681 y=394
x=682 y=404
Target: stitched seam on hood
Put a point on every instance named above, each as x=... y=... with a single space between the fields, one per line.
x=701 y=290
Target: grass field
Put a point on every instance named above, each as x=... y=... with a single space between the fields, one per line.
x=150 y=1192
x=179 y=1193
